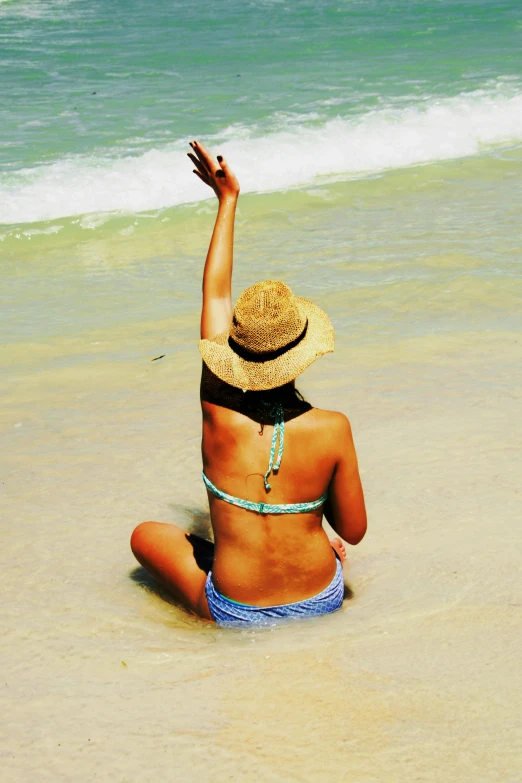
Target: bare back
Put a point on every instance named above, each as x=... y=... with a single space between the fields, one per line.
x=264 y=559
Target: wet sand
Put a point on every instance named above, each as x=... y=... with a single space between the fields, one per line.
x=417 y=678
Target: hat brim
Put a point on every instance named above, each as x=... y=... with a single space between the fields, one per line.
x=258 y=375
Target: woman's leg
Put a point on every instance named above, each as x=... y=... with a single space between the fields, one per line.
x=169 y=554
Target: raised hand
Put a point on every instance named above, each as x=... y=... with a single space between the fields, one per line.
x=214 y=172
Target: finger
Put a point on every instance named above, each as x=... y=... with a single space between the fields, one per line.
x=223 y=163
x=199 y=165
x=204 y=155
x=227 y=170
x=202 y=178
x=199 y=161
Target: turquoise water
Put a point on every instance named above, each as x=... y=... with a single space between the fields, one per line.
x=104 y=96
x=387 y=134
x=128 y=76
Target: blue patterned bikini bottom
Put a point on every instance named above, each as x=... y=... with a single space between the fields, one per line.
x=227 y=612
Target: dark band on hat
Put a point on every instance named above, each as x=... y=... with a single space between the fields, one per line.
x=265 y=356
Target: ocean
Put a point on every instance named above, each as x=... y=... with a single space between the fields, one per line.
x=379 y=148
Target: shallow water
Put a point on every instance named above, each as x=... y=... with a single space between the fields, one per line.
x=417 y=676
x=418 y=672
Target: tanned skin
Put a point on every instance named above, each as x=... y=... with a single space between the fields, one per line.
x=262 y=560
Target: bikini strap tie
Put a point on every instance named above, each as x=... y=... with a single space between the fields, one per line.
x=279 y=432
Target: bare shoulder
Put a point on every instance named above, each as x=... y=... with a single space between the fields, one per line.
x=335 y=420
x=333 y=426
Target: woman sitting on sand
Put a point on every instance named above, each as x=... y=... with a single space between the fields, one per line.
x=273 y=465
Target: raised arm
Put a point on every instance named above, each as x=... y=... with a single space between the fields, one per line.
x=216 y=312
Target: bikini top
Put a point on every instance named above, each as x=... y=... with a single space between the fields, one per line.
x=269 y=508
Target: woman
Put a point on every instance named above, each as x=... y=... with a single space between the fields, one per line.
x=273 y=465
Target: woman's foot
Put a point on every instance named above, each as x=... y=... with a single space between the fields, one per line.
x=338 y=546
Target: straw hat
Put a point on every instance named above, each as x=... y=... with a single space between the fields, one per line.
x=273 y=337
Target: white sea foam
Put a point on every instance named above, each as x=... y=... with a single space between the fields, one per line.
x=293 y=156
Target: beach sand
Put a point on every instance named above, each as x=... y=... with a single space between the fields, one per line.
x=417 y=678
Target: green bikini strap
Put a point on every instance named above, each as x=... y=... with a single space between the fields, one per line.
x=279 y=431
